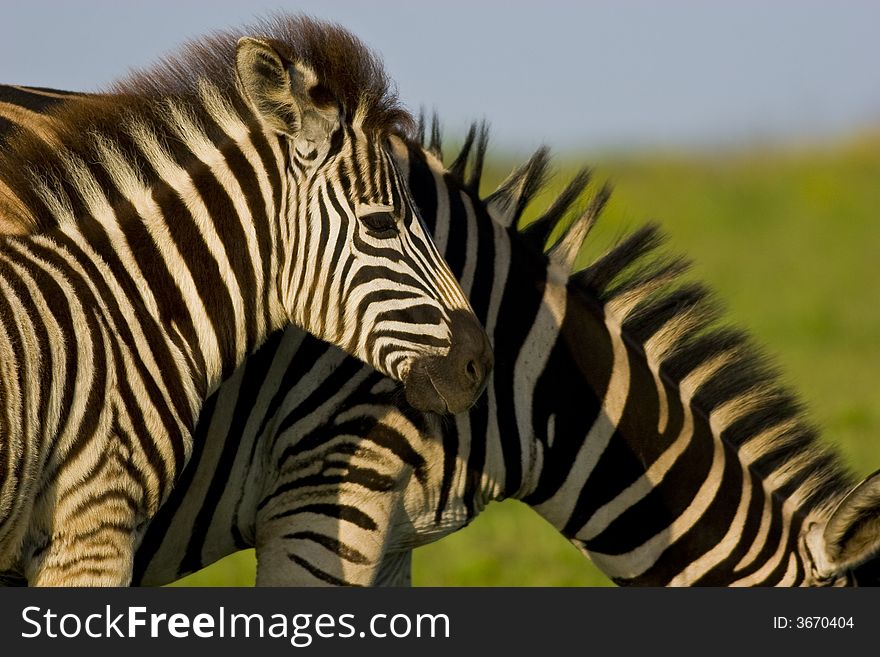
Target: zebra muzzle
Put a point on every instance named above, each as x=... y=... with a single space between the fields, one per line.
x=452 y=383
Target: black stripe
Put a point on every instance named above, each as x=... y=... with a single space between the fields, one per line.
x=367 y=478
x=255 y=368
x=341 y=375
x=341 y=511
x=15 y=339
x=395 y=442
x=154 y=335
x=423 y=190
x=655 y=512
x=227 y=223
x=172 y=310
x=715 y=522
x=320 y=574
x=267 y=249
x=38 y=378
x=322 y=277
x=201 y=262
x=450 y=453
x=748 y=534
x=250 y=186
x=335 y=265
x=476 y=460
x=626 y=457
x=159 y=526
x=331 y=544
x=58 y=301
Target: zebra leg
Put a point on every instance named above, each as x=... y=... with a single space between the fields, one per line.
x=395 y=569
x=334 y=540
x=329 y=521
x=97 y=550
x=91 y=534
x=103 y=557
x=335 y=508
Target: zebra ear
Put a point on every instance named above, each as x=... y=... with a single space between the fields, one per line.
x=852 y=533
x=283 y=93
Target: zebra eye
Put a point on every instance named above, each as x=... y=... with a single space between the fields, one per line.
x=380 y=224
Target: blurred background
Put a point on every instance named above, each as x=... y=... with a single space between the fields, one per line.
x=750 y=130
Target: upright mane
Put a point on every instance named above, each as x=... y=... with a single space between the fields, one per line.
x=350 y=75
x=676 y=324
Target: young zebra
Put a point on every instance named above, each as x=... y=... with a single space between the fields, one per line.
x=683 y=477
x=169 y=228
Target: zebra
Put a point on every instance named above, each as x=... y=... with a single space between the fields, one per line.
x=660 y=444
x=172 y=226
x=676 y=458
x=605 y=457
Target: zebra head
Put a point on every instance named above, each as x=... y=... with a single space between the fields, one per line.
x=843 y=548
x=380 y=289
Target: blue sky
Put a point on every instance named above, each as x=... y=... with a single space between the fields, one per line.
x=575 y=75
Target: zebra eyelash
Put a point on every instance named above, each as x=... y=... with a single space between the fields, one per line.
x=381 y=225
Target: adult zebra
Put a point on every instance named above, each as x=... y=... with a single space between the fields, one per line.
x=168 y=230
x=620 y=473
x=660 y=444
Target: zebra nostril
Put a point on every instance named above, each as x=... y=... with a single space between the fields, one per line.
x=473 y=371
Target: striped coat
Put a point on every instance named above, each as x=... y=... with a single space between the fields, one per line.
x=172 y=227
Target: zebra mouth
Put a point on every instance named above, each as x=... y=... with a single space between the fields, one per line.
x=451 y=383
x=440 y=395
x=431 y=387
x=422 y=393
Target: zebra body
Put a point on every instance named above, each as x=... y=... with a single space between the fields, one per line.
x=662 y=446
x=577 y=422
x=601 y=414
x=170 y=228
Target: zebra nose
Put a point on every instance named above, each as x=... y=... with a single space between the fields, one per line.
x=452 y=383
x=473 y=370
x=475 y=351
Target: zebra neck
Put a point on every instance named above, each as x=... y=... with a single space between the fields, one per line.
x=601 y=403
x=191 y=239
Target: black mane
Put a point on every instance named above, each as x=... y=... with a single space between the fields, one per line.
x=635 y=269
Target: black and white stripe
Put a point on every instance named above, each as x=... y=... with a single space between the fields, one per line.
x=659 y=445
x=167 y=232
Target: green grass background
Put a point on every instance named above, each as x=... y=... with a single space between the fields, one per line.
x=790 y=240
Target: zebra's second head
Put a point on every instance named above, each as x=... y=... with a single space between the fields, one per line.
x=844 y=548
x=360 y=270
